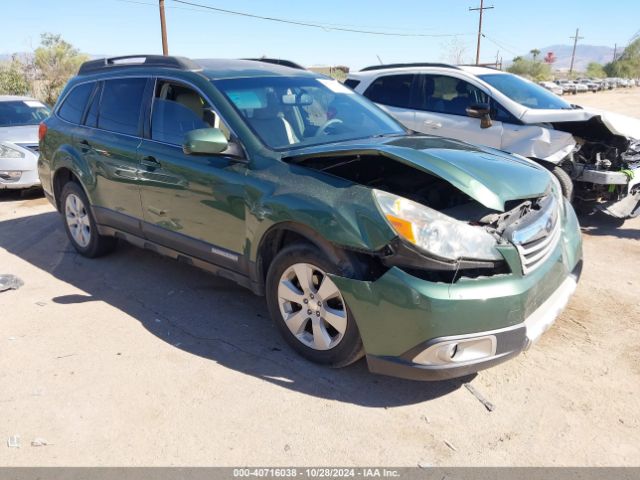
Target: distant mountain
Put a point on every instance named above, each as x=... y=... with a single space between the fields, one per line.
x=584 y=55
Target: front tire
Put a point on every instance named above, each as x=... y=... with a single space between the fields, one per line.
x=309 y=309
x=80 y=224
x=566 y=184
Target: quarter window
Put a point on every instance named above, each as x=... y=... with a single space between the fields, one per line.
x=178 y=109
x=392 y=90
x=120 y=105
x=73 y=106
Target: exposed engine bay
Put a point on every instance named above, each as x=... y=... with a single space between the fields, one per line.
x=381 y=172
x=605 y=168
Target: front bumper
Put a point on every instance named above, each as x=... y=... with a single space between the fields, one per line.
x=629 y=182
x=422 y=330
x=25 y=167
x=506 y=343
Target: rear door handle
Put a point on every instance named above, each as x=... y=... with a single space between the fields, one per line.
x=149 y=161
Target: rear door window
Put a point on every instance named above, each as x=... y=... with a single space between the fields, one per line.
x=73 y=106
x=391 y=90
x=120 y=105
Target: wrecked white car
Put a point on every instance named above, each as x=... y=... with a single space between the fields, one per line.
x=595 y=155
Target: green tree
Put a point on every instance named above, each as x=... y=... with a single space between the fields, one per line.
x=13 y=80
x=55 y=61
x=628 y=64
x=529 y=69
x=534 y=53
x=595 y=70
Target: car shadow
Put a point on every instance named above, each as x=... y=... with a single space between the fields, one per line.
x=7 y=195
x=201 y=314
x=600 y=225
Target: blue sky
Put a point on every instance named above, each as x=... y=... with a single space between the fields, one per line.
x=118 y=27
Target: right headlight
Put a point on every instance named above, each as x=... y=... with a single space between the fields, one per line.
x=438 y=234
x=7 y=152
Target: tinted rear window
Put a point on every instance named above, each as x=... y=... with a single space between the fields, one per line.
x=120 y=105
x=393 y=90
x=73 y=106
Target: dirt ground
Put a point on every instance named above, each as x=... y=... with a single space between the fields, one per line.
x=133 y=359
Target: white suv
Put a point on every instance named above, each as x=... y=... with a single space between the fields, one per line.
x=595 y=155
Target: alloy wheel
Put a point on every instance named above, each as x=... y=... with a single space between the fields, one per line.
x=312 y=306
x=78 y=220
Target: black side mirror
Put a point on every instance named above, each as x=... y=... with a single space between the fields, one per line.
x=481 y=111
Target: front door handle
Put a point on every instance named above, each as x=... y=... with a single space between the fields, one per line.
x=150 y=161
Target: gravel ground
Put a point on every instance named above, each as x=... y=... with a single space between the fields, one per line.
x=133 y=359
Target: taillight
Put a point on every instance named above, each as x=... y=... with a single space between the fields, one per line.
x=42 y=131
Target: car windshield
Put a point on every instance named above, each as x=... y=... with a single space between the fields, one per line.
x=22 y=112
x=291 y=112
x=525 y=93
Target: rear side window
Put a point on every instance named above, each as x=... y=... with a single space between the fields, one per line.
x=73 y=106
x=351 y=83
x=392 y=90
x=120 y=105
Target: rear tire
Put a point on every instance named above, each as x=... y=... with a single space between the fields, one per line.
x=80 y=225
x=319 y=324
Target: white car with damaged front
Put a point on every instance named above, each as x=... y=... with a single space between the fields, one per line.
x=595 y=155
x=19 y=120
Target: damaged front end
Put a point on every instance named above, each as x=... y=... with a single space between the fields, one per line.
x=605 y=167
x=481 y=264
x=459 y=226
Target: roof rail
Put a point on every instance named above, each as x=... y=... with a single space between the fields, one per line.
x=405 y=65
x=278 y=61
x=129 y=61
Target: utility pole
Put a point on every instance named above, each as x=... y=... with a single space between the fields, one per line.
x=163 y=27
x=615 y=52
x=497 y=58
x=481 y=9
x=573 y=54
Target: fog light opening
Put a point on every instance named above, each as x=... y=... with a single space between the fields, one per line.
x=468 y=350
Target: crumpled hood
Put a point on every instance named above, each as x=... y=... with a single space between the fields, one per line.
x=487 y=175
x=615 y=123
x=20 y=134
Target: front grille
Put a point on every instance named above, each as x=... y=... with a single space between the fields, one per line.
x=537 y=239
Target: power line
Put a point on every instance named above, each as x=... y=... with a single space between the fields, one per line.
x=323 y=24
x=500 y=44
x=317 y=25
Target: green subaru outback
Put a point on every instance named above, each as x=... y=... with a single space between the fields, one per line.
x=432 y=257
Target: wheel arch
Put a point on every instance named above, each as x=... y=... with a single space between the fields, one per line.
x=282 y=234
x=69 y=166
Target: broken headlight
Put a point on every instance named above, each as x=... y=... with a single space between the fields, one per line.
x=434 y=232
